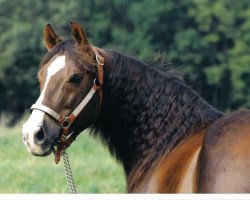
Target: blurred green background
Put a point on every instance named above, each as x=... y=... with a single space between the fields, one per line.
x=208 y=40
x=94 y=170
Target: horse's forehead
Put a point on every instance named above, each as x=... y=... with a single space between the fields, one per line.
x=56 y=65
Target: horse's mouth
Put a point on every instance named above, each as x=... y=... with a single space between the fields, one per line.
x=40 y=150
x=46 y=153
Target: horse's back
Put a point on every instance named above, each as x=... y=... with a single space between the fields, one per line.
x=224 y=162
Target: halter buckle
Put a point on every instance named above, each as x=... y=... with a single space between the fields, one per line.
x=66 y=137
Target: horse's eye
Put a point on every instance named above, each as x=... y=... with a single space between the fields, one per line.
x=76 y=79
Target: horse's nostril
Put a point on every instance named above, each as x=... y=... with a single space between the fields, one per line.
x=40 y=136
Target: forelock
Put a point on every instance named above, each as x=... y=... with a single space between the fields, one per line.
x=73 y=52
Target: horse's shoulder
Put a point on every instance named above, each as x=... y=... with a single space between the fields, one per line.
x=176 y=171
x=224 y=158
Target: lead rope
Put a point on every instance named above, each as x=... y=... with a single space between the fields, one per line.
x=68 y=173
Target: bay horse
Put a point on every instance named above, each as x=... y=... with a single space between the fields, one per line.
x=167 y=138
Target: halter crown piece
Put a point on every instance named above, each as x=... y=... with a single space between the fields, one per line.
x=66 y=138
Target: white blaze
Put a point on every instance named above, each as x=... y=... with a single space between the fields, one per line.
x=34 y=123
x=55 y=67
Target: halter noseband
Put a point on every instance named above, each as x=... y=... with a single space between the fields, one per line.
x=66 y=138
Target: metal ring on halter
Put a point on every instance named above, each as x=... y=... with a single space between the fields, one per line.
x=66 y=123
x=97 y=82
x=97 y=60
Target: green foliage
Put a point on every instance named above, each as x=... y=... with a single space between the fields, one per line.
x=208 y=39
x=93 y=168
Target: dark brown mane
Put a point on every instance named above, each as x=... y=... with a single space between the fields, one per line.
x=146 y=112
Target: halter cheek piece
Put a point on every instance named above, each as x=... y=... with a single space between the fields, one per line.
x=66 y=138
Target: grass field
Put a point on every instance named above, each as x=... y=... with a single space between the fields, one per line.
x=93 y=168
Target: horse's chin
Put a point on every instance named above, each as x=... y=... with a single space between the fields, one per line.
x=42 y=151
x=43 y=154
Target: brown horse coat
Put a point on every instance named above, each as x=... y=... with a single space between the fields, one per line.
x=225 y=156
x=216 y=163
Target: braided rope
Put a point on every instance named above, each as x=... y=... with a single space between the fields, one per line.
x=68 y=173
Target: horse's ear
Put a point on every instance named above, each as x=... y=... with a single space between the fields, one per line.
x=50 y=37
x=78 y=33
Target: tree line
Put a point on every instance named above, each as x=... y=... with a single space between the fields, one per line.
x=207 y=40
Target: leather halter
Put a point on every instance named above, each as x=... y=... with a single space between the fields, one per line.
x=66 y=138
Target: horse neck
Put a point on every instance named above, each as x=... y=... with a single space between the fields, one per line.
x=146 y=112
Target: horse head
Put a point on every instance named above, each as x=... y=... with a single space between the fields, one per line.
x=69 y=76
